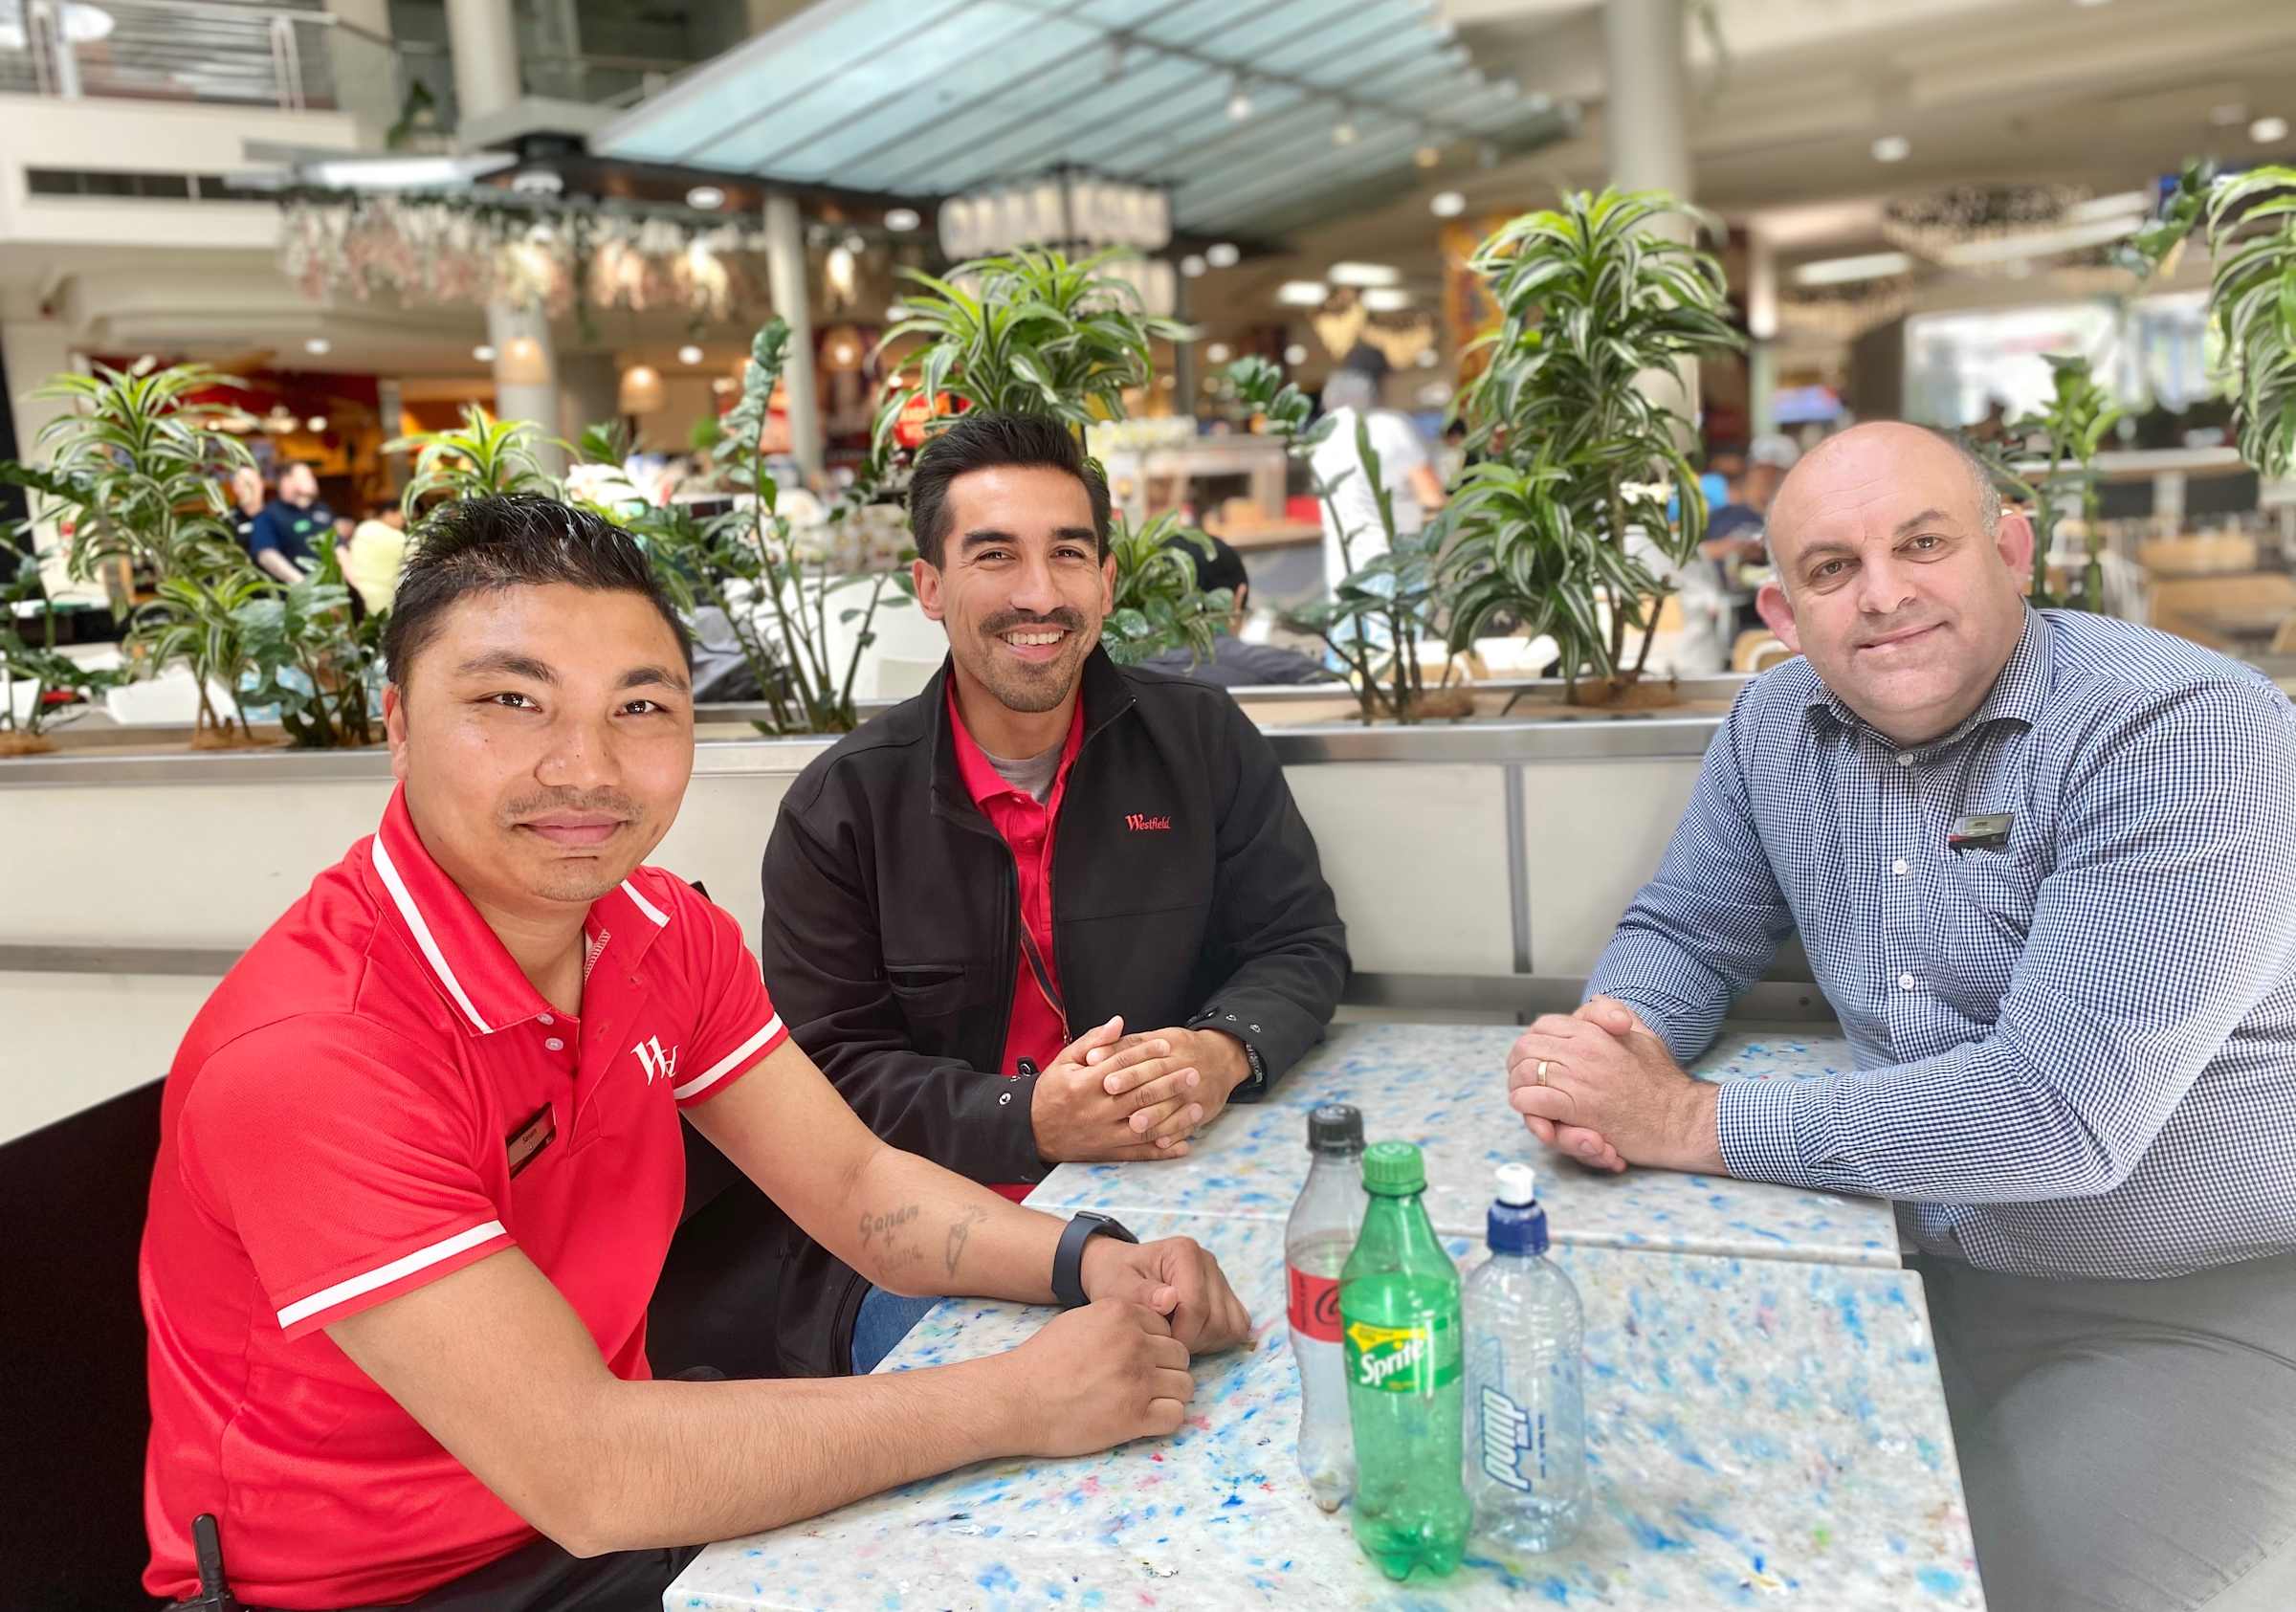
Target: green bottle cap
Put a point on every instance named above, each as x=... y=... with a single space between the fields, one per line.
x=1394 y=1169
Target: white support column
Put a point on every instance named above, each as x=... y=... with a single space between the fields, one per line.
x=1645 y=127
x=483 y=36
x=785 y=272
x=526 y=373
x=589 y=385
x=1761 y=323
x=31 y=352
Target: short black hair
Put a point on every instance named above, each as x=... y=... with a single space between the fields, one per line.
x=487 y=545
x=982 y=439
x=1222 y=568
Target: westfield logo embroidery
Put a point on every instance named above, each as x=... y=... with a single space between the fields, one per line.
x=654 y=1061
x=1141 y=824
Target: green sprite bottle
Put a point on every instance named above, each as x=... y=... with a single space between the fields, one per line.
x=1399 y=1321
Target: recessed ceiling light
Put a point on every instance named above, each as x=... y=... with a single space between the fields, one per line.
x=1386 y=298
x=1192 y=265
x=1447 y=204
x=317 y=423
x=1221 y=254
x=1844 y=271
x=2266 y=130
x=707 y=198
x=1343 y=132
x=1426 y=155
x=900 y=220
x=483 y=354
x=855 y=244
x=1892 y=148
x=1239 y=102
x=1302 y=294
x=688 y=354
x=1216 y=353
x=319 y=346
x=1429 y=358
x=2229 y=113
x=1296 y=354
x=1364 y=274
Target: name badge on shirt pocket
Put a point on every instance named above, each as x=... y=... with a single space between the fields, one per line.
x=1983 y=831
x=539 y=1131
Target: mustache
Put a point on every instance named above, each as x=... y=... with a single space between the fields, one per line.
x=611 y=803
x=1064 y=617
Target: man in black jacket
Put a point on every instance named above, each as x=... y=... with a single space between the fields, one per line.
x=968 y=900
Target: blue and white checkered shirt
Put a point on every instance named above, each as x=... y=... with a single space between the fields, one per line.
x=2077 y=1052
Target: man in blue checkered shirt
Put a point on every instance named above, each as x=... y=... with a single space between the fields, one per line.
x=2044 y=866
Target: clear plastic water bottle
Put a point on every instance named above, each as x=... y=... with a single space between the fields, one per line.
x=1400 y=1319
x=1317 y=1239
x=1525 y=1421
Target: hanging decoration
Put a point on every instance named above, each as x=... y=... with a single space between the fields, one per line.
x=478 y=249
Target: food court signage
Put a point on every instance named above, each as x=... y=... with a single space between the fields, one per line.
x=1075 y=212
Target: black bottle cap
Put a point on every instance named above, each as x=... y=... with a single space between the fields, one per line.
x=1335 y=1128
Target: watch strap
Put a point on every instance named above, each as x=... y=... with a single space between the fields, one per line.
x=1068 y=1259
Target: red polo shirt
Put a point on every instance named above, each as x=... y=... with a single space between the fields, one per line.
x=376 y=1096
x=1035 y=1032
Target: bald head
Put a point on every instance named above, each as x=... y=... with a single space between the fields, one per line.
x=1896 y=441
x=1899 y=575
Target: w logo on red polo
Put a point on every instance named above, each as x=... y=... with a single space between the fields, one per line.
x=654 y=1061
x=1141 y=824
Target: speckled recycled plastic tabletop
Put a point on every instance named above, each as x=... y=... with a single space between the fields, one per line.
x=1762 y=1432
x=1444 y=1087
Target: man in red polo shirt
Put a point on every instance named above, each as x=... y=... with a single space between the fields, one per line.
x=970 y=900
x=420 y=1163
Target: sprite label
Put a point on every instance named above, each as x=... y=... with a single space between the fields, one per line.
x=1413 y=1359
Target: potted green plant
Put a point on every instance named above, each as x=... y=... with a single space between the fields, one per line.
x=1038 y=333
x=311 y=661
x=30 y=670
x=755 y=566
x=2072 y=427
x=137 y=471
x=1566 y=526
x=1382 y=609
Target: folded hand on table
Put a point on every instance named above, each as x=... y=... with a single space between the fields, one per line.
x=1178 y=1279
x=1599 y=1087
x=1171 y=1082
x=1078 y=1120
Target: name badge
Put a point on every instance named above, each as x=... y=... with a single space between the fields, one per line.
x=1985 y=832
x=539 y=1131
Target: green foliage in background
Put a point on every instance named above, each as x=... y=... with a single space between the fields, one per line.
x=751 y=565
x=1565 y=527
x=476 y=459
x=38 y=662
x=2252 y=298
x=311 y=660
x=1382 y=609
x=2071 y=428
x=1038 y=333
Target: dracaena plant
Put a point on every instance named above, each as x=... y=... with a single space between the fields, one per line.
x=751 y=564
x=136 y=471
x=1040 y=333
x=2072 y=427
x=31 y=669
x=1386 y=604
x=311 y=660
x=1567 y=524
x=478 y=459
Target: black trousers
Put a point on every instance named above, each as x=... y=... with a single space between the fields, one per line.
x=543 y=1578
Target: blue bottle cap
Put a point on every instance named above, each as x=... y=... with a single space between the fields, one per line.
x=1516 y=1224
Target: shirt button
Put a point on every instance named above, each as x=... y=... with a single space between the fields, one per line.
x=1898 y=867
x=555 y=1045
x=545 y=1018
x=1905 y=758
x=1905 y=981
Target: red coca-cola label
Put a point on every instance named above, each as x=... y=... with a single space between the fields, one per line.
x=1315 y=1305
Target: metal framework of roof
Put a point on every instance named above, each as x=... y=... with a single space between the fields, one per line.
x=940 y=97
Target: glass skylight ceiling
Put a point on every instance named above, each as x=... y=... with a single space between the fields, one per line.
x=937 y=97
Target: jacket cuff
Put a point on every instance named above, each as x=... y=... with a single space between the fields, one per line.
x=1264 y=1026
x=996 y=1115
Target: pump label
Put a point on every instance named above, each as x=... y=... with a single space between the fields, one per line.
x=1413 y=1360
x=1315 y=1305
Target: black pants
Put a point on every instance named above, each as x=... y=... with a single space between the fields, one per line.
x=543 y=1578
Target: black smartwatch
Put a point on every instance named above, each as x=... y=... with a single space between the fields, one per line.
x=1068 y=1260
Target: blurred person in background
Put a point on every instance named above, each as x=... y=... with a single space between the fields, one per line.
x=1235 y=663
x=373 y=559
x=286 y=536
x=1406 y=467
x=247 y=504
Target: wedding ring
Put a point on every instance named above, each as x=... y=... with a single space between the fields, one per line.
x=1541 y=1075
